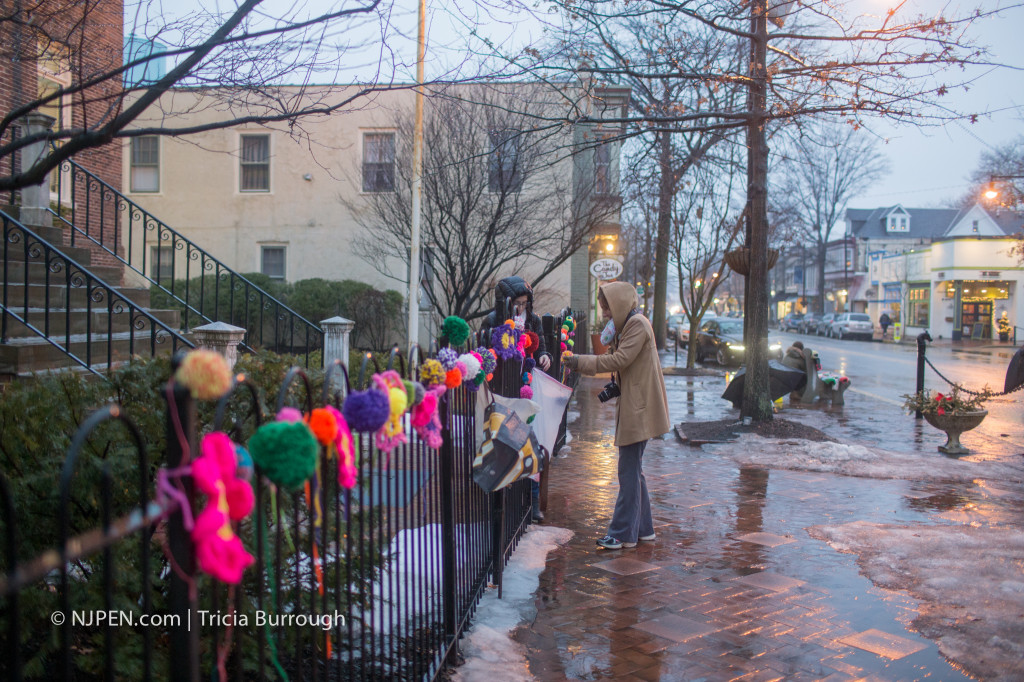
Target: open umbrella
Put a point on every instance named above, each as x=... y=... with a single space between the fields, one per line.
x=781 y=380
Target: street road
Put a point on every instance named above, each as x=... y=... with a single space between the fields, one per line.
x=888 y=371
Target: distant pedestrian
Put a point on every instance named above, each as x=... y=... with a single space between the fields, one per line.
x=641 y=412
x=884 y=321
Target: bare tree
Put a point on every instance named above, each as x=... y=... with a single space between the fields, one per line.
x=822 y=169
x=498 y=199
x=706 y=224
x=1000 y=171
x=241 y=56
x=823 y=60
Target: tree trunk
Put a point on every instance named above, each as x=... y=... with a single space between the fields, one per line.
x=757 y=402
x=822 y=251
x=666 y=192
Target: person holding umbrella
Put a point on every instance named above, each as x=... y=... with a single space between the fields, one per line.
x=641 y=412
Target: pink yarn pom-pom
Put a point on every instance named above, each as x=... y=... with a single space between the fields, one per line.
x=526 y=392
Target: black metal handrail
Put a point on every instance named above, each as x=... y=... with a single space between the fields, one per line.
x=95 y=211
x=22 y=244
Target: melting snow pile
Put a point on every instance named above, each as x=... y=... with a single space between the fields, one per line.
x=978 y=621
x=491 y=653
x=859 y=460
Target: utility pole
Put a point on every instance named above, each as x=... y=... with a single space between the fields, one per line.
x=417 y=185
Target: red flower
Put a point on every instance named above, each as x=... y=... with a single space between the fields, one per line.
x=939 y=397
x=941 y=410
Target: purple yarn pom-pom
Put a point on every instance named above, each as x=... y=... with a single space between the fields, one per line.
x=366 y=411
x=529 y=364
x=447 y=357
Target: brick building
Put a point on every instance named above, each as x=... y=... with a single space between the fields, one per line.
x=60 y=44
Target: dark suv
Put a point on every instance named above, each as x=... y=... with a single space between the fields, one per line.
x=809 y=324
x=791 y=322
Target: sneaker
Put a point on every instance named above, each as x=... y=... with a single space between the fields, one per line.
x=538 y=515
x=608 y=542
x=647 y=538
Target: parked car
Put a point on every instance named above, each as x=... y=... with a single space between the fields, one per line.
x=852 y=325
x=672 y=325
x=824 y=326
x=790 y=322
x=809 y=324
x=722 y=339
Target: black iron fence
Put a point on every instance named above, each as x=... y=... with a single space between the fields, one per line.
x=374 y=583
x=98 y=214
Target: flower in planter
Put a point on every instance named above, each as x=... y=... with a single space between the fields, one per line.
x=953 y=403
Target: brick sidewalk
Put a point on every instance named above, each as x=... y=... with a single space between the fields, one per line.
x=734 y=587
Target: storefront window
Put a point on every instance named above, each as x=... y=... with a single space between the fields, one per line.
x=917 y=305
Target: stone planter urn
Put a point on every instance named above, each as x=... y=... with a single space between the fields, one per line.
x=953 y=425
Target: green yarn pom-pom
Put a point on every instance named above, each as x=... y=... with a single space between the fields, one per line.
x=456 y=329
x=285 y=452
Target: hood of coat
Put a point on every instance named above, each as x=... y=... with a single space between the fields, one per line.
x=512 y=288
x=621 y=297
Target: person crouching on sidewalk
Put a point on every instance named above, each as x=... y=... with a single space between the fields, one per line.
x=641 y=412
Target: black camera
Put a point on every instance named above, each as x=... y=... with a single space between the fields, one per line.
x=611 y=390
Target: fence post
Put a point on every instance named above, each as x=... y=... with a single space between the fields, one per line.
x=336 y=339
x=446 y=457
x=551 y=341
x=184 y=639
x=220 y=337
x=922 y=340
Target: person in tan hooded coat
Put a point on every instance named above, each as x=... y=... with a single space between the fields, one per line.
x=641 y=411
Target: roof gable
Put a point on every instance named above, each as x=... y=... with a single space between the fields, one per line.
x=974 y=222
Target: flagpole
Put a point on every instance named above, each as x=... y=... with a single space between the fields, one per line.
x=417 y=173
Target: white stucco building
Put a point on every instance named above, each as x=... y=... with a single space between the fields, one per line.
x=260 y=199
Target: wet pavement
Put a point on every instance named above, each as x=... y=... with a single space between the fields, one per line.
x=735 y=587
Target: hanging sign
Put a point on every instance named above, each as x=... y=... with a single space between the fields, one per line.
x=606 y=268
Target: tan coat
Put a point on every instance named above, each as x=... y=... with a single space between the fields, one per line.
x=642 y=410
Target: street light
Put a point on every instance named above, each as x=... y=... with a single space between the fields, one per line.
x=993 y=192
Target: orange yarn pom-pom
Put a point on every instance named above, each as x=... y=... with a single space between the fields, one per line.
x=323 y=425
x=453 y=379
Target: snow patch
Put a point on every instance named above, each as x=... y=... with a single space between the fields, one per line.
x=977 y=622
x=488 y=647
x=860 y=460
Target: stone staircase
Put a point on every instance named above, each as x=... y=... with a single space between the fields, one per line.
x=71 y=314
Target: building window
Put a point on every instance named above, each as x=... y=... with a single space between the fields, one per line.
x=272 y=262
x=378 y=162
x=603 y=169
x=504 y=171
x=161 y=263
x=974 y=226
x=918 y=299
x=145 y=175
x=255 y=163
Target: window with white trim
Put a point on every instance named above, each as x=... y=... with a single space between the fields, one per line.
x=504 y=171
x=145 y=164
x=161 y=263
x=254 y=163
x=378 y=162
x=272 y=261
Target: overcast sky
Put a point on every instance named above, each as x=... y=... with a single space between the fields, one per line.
x=929 y=165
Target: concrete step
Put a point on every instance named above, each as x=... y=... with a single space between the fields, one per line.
x=81 y=321
x=60 y=296
x=28 y=355
x=54 y=235
x=15 y=272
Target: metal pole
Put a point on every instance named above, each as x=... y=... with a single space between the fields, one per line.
x=417 y=180
x=922 y=340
